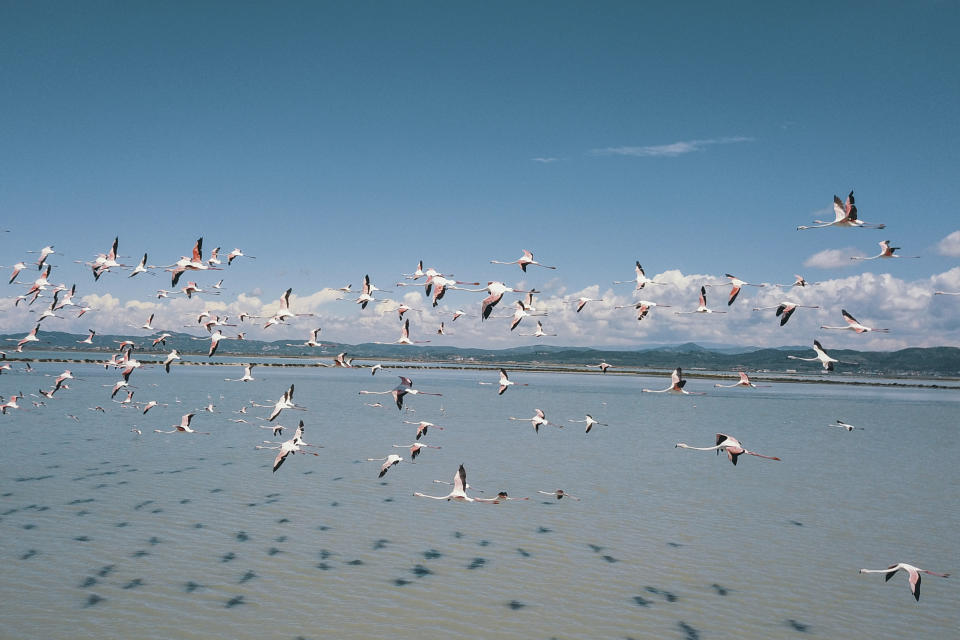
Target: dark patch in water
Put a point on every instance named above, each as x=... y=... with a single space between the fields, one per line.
x=89 y=581
x=283 y=520
x=198 y=525
x=93 y=599
x=242 y=536
x=355 y=563
x=337 y=478
x=323 y=527
x=432 y=554
x=334 y=504
x=675 y=545
x=401 y=582
x=234 y=601
x=122 y=524
x=523 y=552
x=457 y=534
x=249 y=575
x=420 y=571
x=476 y=563
x=610 y=559
x=641 y=601
x=157 y=511
x=272 y=551
x=596 y=548
x=669 y=597
x=324 y=554
x=29 y=526
x=388 y=499
x=215 y=490
x=154 y=540
x=139 y=553
x=253 y=504
x=719 y=589
x=82 y=538
x=689 y=633
x=228 y=556
x=516 y=605
x=106 y=570
x=133 y=584
x=544 y=530
x=82 y=512
x=380 y=544
x=43 y=508
x=798 y=626
x=795 y=523
x=307 y=473
x=271 y=495
x=484 y=543
x=192 y=586
x=143 y=504
x=185 y=501
x=29 y=554
x=81 y=501
x=323 y=566
x=280 y=539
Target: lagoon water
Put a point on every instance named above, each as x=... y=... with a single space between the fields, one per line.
x=112 y=535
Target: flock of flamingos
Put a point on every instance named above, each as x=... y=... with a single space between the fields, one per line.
x=435 y=286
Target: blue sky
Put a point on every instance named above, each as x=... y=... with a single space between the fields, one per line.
x=332 y=140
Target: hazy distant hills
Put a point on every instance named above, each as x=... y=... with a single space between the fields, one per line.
x=935 y=361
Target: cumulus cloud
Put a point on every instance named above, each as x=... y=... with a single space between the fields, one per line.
x=833 y=258
x=545 y=160
x=950 y=246
x=667 y=150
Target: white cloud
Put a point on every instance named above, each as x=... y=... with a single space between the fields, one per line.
x=546 y=160
x=833 y=258
x=667 y=150
x=950 y=246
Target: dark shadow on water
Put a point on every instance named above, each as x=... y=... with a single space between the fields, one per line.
x=325 y=553
x=154 y=540
x=544 y=530
x=192 y=586
x=675 y=545
x=798 y=626
x=641 y=601
x=669 y=597
x=516 y=605
x=795 y=523
x=133 y=584
x=234 y=601
x=29 y=554
x=689 y=633
x=249 y=575
x=457 y=534
x=720 y=589
x=476 y=563
x=89 y=581
x=106 y=570
x=323 y=566
x=523 y=552
x=420 y=571
x=354 y=563
x=484 y=543
x=432 y=554
x=401 y=582
x=93 y=599
x=228 y=556
x=610 y=559
x=280 y=539
x=139 y=553
x=82 y=539
x=380 y=544
x=242 y=536
x=272 y=551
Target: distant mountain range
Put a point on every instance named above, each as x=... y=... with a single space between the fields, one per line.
x=932 y=361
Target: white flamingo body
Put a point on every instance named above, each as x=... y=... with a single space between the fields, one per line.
x=913 y=575
x=853 y=325
x=845 y=215
x=822 y=357
x=730 y=445
x=786 y=309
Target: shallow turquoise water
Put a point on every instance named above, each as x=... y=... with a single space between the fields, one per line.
x=106 y=533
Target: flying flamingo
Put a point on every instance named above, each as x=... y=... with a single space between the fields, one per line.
x=366 y=294
x=30 y=337
x=17 y=268
x=312 y=341
x=702 y=307
x=913 y=575
x=183 y=427
x=845 y=213
x=388 y=462
x=246 y=377
x=886 y=251
x=743 y=382
x=289 y=447
x=642 y=307
x=89 y=338
x=415 y=448
x=676 y=385
x=603 y=366
x=539 y=333
x=538 y=419
x=404 y=336
x=840 y=424
x=946 y=293
x=641 y=279
x=821 y=357
x=459 y=492
x=785 y=309
x=141 y=267
x=496 y=291
x=525 y=260
x=173 y=355
x=737 y=285
x=506 y=383
x=582 y=302
x=798 y=282
x=284 y=313
x=521 y=313
x=853 y=325
x=285 y=402
x=342 y=361
x=559 y=494
x=236 y=253
x=402 y=389
x=590 y=422
x=729 y=444
x=423 y=426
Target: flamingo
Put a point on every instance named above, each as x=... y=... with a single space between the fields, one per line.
x=415 y=448
x=539 y=333
x=845 y=213
x=17 y=268
x=312 y=341
x=459 y=492
x=744 y=381
x=590 y=422
x=677 y=383
x=150 y=405
x=30 y=337
x=559 y=494
x=506 y=383
x=291 y=446
x=11 y=403
x=402 y=389
x=582 y=302
x=525 y=260
x=886 y=251
x=729 y=444
x=173 y=355
x=853 y=325
x=538 y=419
x=404 y=336
x=285 y=402
x=246 y=377
x=366 y=294
x=440 y=285
x=822 y=357
x=785 y=309
x=521 y=313
x=913 y=575
x=141 y=267
x=946 y=293
x=284 y=313
x=603 y=366
x=737 y=285
x=342 y=361
x=236 y=253
x=840 y=424
x=388 y=462
x=702 y=307
x=423 y=426
x=641 y=278
x=184 y=426
x=496 y=291
x=800 y=281
x=44 y=253
x=642 y=307
x=161 y=339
